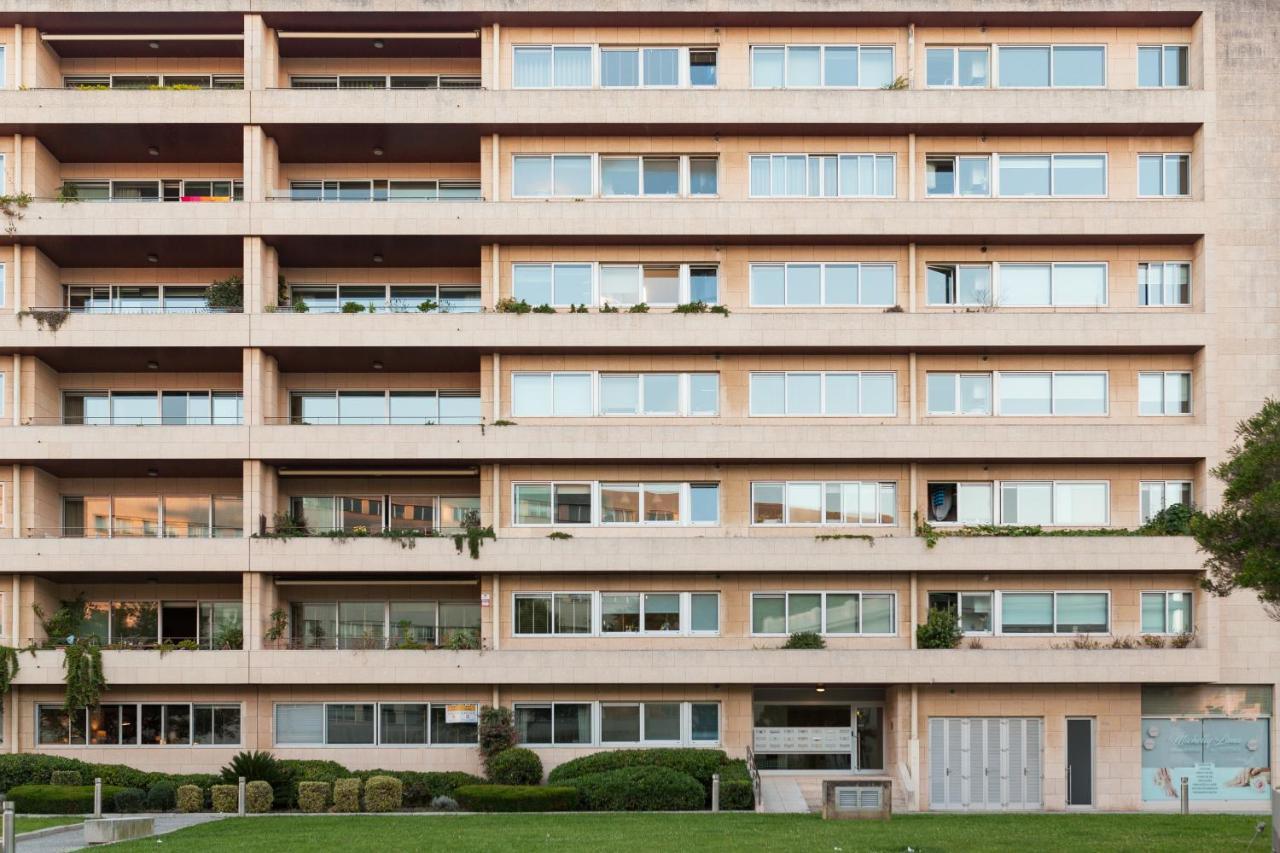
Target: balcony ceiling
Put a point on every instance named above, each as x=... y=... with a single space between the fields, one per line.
x=186 y=48
x=354 y=143
x=105 y=251
x=183 y=469
x=126 y=359
x=358 y=251
x=363 y=47
x=130 y=143
x=392 y=359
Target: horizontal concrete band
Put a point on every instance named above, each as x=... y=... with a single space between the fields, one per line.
x=1179 y=441
x=529 y=551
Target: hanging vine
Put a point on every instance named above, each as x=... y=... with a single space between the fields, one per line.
x=82 y=663
x=8 y=667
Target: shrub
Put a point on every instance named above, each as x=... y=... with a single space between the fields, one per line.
x=226 y=798
x=634 y=789
x=805 y=640
x=941 y=630
x=736 y=792
x=313 y=770
x=258 y=797
x=190 y=799
x=516 y=766
x=65 y=777
x=129 y=800
x=516 y=798
x=313 y=796
x=1183 y=640
x=261 y=767
x=1153 y=641
x=698 y=763
x=57 y=799
x=383 y=794
x=497 y=732
x=162 y=796
x=423 y=789
x=444 y=804
x=346 y=795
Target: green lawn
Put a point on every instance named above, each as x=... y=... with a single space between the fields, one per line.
x=30 y=824
x=687 y=833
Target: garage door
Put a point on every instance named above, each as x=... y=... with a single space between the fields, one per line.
x=986 y=763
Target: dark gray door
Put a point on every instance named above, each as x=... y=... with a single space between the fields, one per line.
x=1080 y=761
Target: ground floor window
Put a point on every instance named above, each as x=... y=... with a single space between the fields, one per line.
x=619 y=723
x=140 y=724
x=828 y=730
x=376 y=724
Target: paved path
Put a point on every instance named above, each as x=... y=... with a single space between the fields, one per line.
x=72 y=838
x=781 y=794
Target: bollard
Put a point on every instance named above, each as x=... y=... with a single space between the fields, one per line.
x=1184 y=796
x=97 y=798
x=242 y=809
x=9 y=844
x=715 y=792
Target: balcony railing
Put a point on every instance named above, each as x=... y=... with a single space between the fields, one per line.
x=136 y=529
x=384 y=81
x=135 y=308
x=232 y=640
x=437 y=637
x=372 y=420
x=132 y=420
x=386 y=306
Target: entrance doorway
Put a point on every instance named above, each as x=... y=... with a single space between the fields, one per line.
x=1080 y=744
x=812 y=730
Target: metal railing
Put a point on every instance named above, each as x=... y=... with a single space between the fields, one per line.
x=358 y=531
x=389 y=306
x=756 y=789
x=370 y=197
x=441 y=637
x=135 y=309
x=386 y=420
x=64 y=532
x=140 y=644
x=123 y=420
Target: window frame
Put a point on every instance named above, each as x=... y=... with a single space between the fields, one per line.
x=1164 y=594
x=998 y=495
x=684 y=73
x=1165 y=485
x=957 y=376
x=552 y=47
x=1164 y=156
x=881 y=486
x=961 y=595
x=1053 y=397
x=822 y=63
x=553 y=625
x=955 y=49
x=378 y=742
x=823 y=267
x=955 y=171
x=595 y=486
x=786 y=594
x=1164 y=396
x=822 y=393
x=686 y=279
x=1052 y=47
x=137 y=742
x=1162 y=47
x=998 y=620
x=772 y=156
x=162 y=521
x=1144 y=268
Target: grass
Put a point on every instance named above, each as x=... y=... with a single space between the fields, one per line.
x=689 y=833
x=31 y=824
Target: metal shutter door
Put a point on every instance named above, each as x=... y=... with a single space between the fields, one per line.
x=937 y=763
x=1033 y=766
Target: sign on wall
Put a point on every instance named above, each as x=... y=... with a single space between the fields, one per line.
x=1222 y=759
x=462 y=713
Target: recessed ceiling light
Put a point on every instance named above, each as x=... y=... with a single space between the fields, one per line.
x=153 y=259
x=820 y=689
x=377 y=259
x=377 y=152
x=153 y=151
x=153 y=365
x=379 y=44
x=377 y=365
x=153 y=472
x=154 y=45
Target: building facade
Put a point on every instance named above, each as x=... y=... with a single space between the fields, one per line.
x=731 y=323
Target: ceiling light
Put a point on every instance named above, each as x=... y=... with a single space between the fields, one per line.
x=377 y=152
x=153 y=258
x=377 y=259
x=153 y=151
x=377 y=365
x=153 y=472
x=379 y=44
x=153 y=365
x=154 y=45
x=820 y=689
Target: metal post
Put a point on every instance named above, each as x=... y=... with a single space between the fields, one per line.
x=1275 y=820
x=715 y=792
x=9 y=844
x=1184 y=796
x=242 y=810
x=97 y=798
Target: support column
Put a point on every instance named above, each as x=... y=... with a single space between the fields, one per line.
x=913 y=389
x=254 y=166
x=17 y=389
x=497 y=387
x=495 y=498
x=495 y=168
x=495 y=74
x=261 y=273
x=19 y=302
x=16 y=499
x=913 y=750
x=912 y=277
x=495 y=276
x=18 y=78
x=16 y=182
x=261 y=55
x=495 y=613
x=911 y=167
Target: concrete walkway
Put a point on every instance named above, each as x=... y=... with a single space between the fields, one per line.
x=72 y=837
x=781 y=794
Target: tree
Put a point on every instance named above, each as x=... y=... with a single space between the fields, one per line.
x=1242 y=538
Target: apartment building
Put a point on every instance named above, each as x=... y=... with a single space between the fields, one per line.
x=960 y=264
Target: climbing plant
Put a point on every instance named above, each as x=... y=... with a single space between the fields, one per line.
x=8 y=667
x=82 y=671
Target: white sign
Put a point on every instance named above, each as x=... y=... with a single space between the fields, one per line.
x=468 y=713
x=484 y=599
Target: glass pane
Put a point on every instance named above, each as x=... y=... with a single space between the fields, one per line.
x=840 y=66
x=1179 y=612
x=662 y=66
x=804 y=393
x=804 y=612
x=620 y=723
x=842 y=613
x=135 y=622
x=414 y=622
x=1026 y=503
x=572 y=284
x=414 y=407
x=876 y=70
x=975 y=176
x=804 y=284
x=804 y=503
x=533 y=503
x=704 y=611
x=704 y=499
x=619 y=68
x=136 y=516
x=533 y=723
x=1175 y=66
x=940 y=176
x=571 y=394
x=1080 y=394
x=704 y=393
x=135 y=408
x=703 y=176
x=444 y=732
x=533 y=283
x=1080 y=503
x=767 y=284
x=573 y=613
x=1079 y=66
x=841 y=284
x=573 y=504
x=1177 y=393
x=361 y=624
x=974 y=501
x=1149 y=64
x=803 y=68
x=1027 y=613
x=768 y=614
x=877 y=393
x=662 y=721
x=973 y=67
x=767 y=65
x=1080 y=284
x=662 y=611
x=940 y=62
x=768 y=393
x=706 y=721
x=572 y=723
x=1024 y=66
x=404 y=723
x=1026 y=284
x=661 y=503
x=572 y=176
x=1024 y=175
x=620 y=176
x=1079 y=174
x=661 y=284
x=877 y=614
x=619 y=394
x=975 y=612
x=1082 y=612
x=1177 y=175
x=349 y=724
x=186 y=516
x=1153 y=612
x=877 y=284
x=619 y=612
x=533 y=614
x=532 y=176
x=940 y=390
x=1025 y=394
x=767 y=500
x=1150 y=175
x=620 y=285
x=619 y=503
x=572 y=66
x=702 y=67
x=841 y=393
x=302 y=724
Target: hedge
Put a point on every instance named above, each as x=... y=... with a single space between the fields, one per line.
x=421 y=787
x=515 y=766
x=639 y=789
x=37 y=769
x=313 y=796
x=383 y=794
x=65 y=777
x=314 y=770
x=258 y=796
x=130 y=800
x=736 y=792
x=701 y=764
x=346 y=795
x=516 y=798
x=190 y=798
x=57 y=799
x=226 y=798
x=162 y=797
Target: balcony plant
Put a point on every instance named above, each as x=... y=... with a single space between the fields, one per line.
x=464 y=640
x=63 y=624
x=473 y=534
x=51 y=319
x=805 y=640
x=638 y=308
x=352 y=308
x=700 y=307
x=277 y=626
x=578 y=309
x=226 y=294
x=12 y=207
x=544 y=309
x=68 y=194
x=508 y=305
x=941 y=630
x=8 y=667
x=428 y=305
x=230 y=638
x=608 y=308
x=82 y=672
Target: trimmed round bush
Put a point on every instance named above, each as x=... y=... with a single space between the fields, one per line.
x=57 y=799
x=515 y=766
x=701 y=764
x=129 y=800
x=65 y=777
x=310 y=770
x=313 y=797
x=189 y=798
x=226 y=798
x=258 y=796
x=383 y=794
x=162 y=797
x=346 y=795
x=516 y=798
x=639 y=789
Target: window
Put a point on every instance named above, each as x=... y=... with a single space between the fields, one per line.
x=615 y=284
x=552 y=503
x=961 y=503
x=1057 y=175
x=1166 y=612
x=369 y=723
x=959 y=284
x=973 y=609
x=832 y=503
x=1055 y=612
x=957 y=67
x=553 y=723
x=133 y=724
x=1058 y=393
x=659 y=723
x=553 y=614
x=1059 y=66
x=1068 y=284
x=822 y=175
x=832 y=394
x=1167 y=283
x=823 y=284
x=958 y=393
x=1165 y=393
x=402 y=408
x=364 y=625
x=813 y=66
x=657 y=67
x=551 y=394
x=830 y=613
x=558 y=66
x=184 y=516
x=663 y=394
x=1158 y=495
x=659 y=613
x=958 y=175
x=424 y=513
x=1164 y=175
x=617 y=503
x=1067 y=503
x=552 y=175
x=1163 y=65
x=656 y=176
x=134 y=408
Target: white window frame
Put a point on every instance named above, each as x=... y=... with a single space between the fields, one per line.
x=1053 y=158
x=1165 y=486
x=593 y=171
x=686 y=278
x=955 y=64
x=684 y=180
x=1053 y=266
x=550 y=597
x=686 y=722
x=955 y=171
x=593 y=382
x=957 y=375
x=1164 y=156
x=961 y=595
x=822 y=64
x=684 y=68
x=685 y=408
x=686 y=614
x=1164 y=397
x=137 y=706
x=438 y=393
x=686 y=487
x=998 y=495
x=957 y=266
x=595 y=64
x=998 y=616
x=822 y=610
x=993 y=492
x=822 y=393
x=162 y=521
x=1053 y=399
x=1164 y=594
x=1052 y=46
x=823 y=266
x=1162 y=48
x=377 y=725
x=881 y=486
x=774 y=155
x=1165 y=284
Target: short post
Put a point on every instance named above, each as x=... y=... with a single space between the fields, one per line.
x=1275 y=820
x=9 y=844
x=97 y=797
x=1184 y=796
x=715 y=792
x=242 y=809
